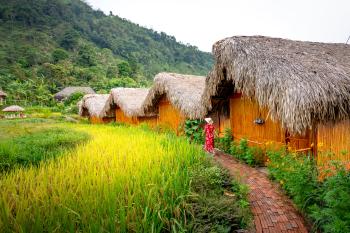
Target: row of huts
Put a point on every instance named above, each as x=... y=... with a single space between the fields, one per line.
x=270 y=91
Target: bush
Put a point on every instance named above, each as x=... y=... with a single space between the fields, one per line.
x=253 y=156
x=194 y=131
x=217 y=203
x=326 y=202
x=331 y=213
x=224 y=143
x=297 y=175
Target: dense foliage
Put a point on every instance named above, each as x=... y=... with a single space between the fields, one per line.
x=224 y=142
x=49 y=44
x=251 y=155
x=194 y=131
x=326 y=202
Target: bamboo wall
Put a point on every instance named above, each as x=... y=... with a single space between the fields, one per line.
x=169 y=116
x=150 y=121
x=120 y=117
x=98 y=120
x=333 y=142
x=243 y=112
x=221 y=122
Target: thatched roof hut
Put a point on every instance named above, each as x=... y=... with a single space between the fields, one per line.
x=301 y=83
x=68 y=91
x=92 y=105
x=13 y=108
x=2 y=94
x=129 y=100
x=183 y=91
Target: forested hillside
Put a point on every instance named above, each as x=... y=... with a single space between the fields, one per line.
x=48 y=44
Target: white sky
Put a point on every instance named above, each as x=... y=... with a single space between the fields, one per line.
x=202 y=22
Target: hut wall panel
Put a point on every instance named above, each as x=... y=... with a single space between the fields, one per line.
x=333 y=142
x=169 y=116
x=221 y=122
x=301 y=143
x=150 y=121
x=225 y=123
x=122 y=118
x=96 y=120
x=243 y=112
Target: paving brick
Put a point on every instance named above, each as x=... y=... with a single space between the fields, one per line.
x=272 y=210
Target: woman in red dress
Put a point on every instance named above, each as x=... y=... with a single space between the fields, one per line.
x=209 y=135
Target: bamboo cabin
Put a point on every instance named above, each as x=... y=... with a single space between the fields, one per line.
x=284 y=92
x=92 y=105
x=126 y=103
x=175 y=97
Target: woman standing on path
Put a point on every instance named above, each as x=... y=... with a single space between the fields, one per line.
x=209 y=135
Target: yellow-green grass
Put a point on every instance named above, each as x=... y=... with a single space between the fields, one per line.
x=122 y=180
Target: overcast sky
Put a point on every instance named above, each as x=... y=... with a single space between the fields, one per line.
x=202 y=22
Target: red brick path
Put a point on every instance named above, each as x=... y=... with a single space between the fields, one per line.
x=272 y=210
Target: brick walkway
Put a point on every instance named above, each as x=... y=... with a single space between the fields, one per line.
x=272 y=210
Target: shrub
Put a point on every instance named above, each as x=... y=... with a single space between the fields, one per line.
x=253 y=156
x=331 y=214
x=326 y=202
x=297 y=174
x=194 y=131
x=217 y=203
x=224 y=143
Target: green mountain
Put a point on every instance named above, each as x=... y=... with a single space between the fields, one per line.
x=49 y=44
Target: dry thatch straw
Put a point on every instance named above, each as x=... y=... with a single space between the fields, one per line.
x=93 y=105
x=301 y=83
x=129 y=100
x=68 y=91
x=13 y=108
x=183 y=91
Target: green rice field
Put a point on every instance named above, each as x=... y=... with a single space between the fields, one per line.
x=64 y=177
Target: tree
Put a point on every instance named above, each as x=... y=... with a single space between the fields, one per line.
x=59 y=54
x=124 y=69
x=87 y=56
x=70 y=40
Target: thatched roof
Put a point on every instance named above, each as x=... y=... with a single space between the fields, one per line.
x=2 y=94
x=183 y=91
x=129 y=100
x=92 y=105
x=13 y=108
x=68 y=91
x=301 y=83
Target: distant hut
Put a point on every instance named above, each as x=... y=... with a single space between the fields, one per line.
x=289 y=92
x=175 y=97
x=68 y=91
x=14 y=111
x=126 y=103
x=3 y=96
x=92 y=106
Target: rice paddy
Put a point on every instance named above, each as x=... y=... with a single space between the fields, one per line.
x=123 y=179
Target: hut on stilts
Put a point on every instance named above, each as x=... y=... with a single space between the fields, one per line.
x=92 y=106
x=282 y=91
x=175 y=97
x=126 y=103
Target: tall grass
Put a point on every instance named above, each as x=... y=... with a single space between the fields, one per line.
x=121 y=181
x=34 y=147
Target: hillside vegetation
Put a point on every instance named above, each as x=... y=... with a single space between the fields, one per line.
x=48 y=44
